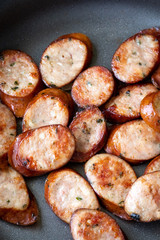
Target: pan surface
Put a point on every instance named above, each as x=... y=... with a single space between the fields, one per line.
x=30 y=26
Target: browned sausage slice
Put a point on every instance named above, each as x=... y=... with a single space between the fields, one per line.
x=150 y=110
x=90 y=131
x=111 y=178
x=7 y=132
x=93 y=87
x=42 y=150
x=134 y=141
x=126 y=105
x=143 y=200
x=25 y=217
x=136 y=58
x=13 y=190
x=19 y=80
x=62 y=61
x=85 y=39
x=66 y=191
x=153 y=166
x=47 y=108
x=89 y=224
x=17 y=206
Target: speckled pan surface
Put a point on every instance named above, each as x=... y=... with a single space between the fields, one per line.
x=30 y=26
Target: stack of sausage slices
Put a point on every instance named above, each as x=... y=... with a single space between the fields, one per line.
x=59 y=127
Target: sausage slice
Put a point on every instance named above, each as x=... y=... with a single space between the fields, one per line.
x=143 y=200
x=85 y=39
x=93 y=224
x=19 y=80
x=17 y=206
x=93 y=87
x=126 y=105
x=66 y=191
x=150 y=110
x=134 y=141
x=13 y=190
x=50 y=106
x=136 y=58
x=41 y=150
x=111 y=178
x=153 y=166
x=90 y=131
x=62 y=61
x=7 y=132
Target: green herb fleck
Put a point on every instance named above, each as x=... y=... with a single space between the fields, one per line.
x=121 y=174
x=8 y=201
x=128 y=93
x=158 y=121
x=140 y=64
x=141 y=93
x=89 y=83
x=12 y=64
x=79 y=198
x=16 y=83
x=130 y=108
x=79 y=224
x=3 y=83
x=29 y=84
x=144 y=75
x=120 y=203
x=11 y=134
x=99 y=120
x=110 y=185
x=52 y=85
x=93 y=166
x=47 y=57
x=24 y=205
x=69 y=39
x=134 y=53
x=52 y=97
x=138 y=42
x=117 y=58
x=14 y=88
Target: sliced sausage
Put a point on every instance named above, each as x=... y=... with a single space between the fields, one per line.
x=48 y=108
x=90 y=131
x=7 y=132
x=136 y=58
x=82 y=37
x=153 y=166
x=62 y=61
x=150 y=110
x=66 y=191
x=126 y=105
x=13 y=191
x=41 y=150
x=134 y=141
x=143 y=200
x=25 y=217
x=111 y=178
x=93 y=87
x=89 y=224
x=19 y=80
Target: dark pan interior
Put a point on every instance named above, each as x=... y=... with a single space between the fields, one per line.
x=30 y=26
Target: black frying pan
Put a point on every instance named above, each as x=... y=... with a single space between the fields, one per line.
x=30 y=25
